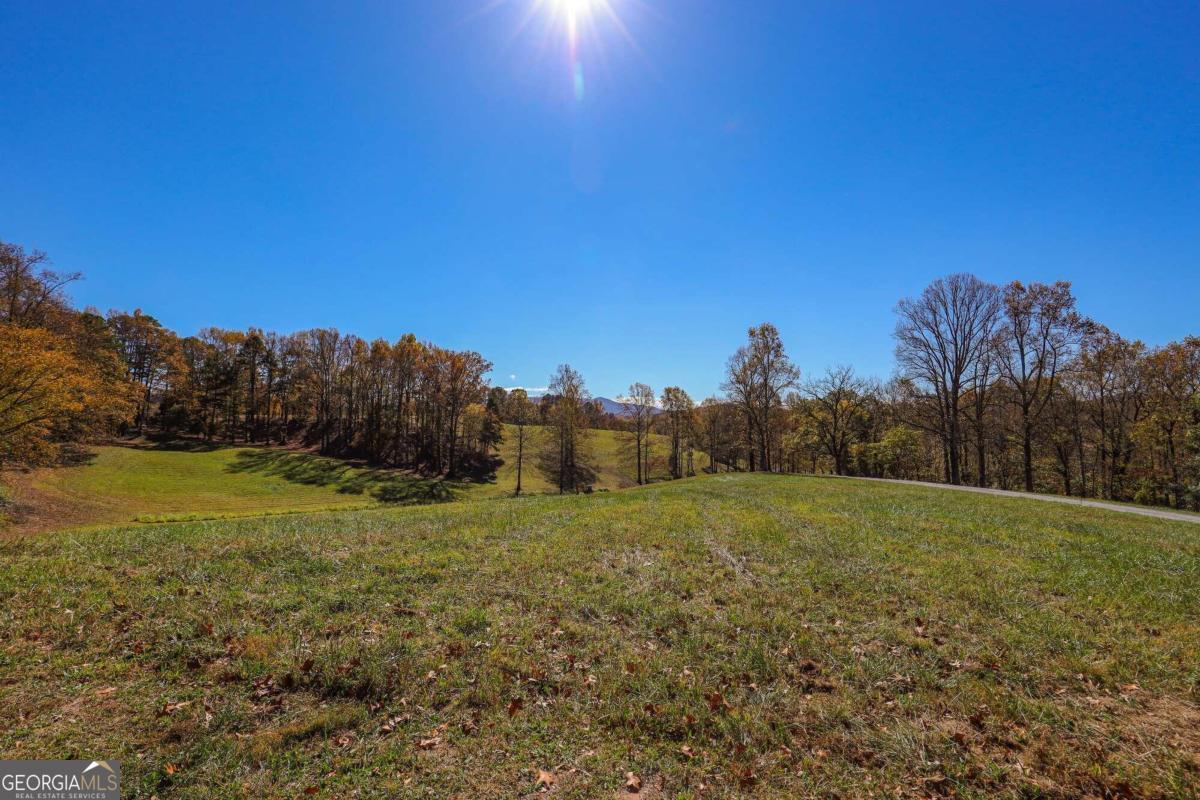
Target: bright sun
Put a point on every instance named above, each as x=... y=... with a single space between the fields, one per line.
x=582 y=24
x=576 y=7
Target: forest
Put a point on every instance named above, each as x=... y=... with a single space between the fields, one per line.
x=1007 y=386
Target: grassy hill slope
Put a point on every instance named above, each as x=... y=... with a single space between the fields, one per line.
x=742 y=635
x=172 y=481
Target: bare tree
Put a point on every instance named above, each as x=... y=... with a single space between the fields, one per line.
x=1039 y=333
x=942 y=338
x=677 y=405
x=1110 y=378
x=639 y=407
x=716 y=419
x=837 y=404
x=29 y=290
x=757 y=377
x=565 y=457
x=521 y=413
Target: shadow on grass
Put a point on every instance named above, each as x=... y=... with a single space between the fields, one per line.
x=384 y=485
x=173 y=444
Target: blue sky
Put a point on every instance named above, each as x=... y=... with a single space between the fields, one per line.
x=430 y=167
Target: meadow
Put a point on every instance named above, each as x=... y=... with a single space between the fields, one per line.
x=729 y=635
x=176 y=480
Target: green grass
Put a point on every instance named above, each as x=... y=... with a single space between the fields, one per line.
x=740 y=635
x=182 y=481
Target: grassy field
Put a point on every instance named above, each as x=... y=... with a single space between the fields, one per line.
x=741 y=635
x=150 y=482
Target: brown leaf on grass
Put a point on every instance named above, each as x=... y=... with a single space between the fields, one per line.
x=306 y=665
x=515 y=705
x=311 y=790
x=716 y=701
x=689 y=721
x=936 y=781
x=544 y=779
x=652 y=710
x=429 y=744
x=633 y=784
x=390 y=724
x=745 y=776
x=170 y=708
x=687 y=751
x=172 y=769
x=106 y=691
x=631 y=668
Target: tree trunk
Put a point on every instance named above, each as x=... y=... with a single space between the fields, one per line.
x=1027 y=453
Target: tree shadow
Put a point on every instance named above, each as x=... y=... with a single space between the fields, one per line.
x=75 y=456
x=175 y=444
x=390 y=486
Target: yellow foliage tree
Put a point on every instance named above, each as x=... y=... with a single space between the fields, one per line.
x=48 y=395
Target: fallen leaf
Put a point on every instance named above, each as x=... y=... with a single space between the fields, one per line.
x=515 y=705
x=172 y=769
x=170 y=708
x=311 y=790
x=716 y=701
x=688 y=751
x=544 y=779
x=633 y=784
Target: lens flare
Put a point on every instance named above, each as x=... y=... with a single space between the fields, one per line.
x=581 y=25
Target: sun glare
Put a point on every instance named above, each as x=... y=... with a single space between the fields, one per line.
x=581 y=23
x=579 y=31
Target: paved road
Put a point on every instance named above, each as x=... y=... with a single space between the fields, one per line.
x=1158 y=513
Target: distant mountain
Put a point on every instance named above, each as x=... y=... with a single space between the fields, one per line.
x=610 y=406
x=607 y=404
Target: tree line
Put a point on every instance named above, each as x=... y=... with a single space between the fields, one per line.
x=68 y=377
x=996 y=386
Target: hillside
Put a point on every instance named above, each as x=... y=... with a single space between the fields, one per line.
x=733 y=635
x=181 y=480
